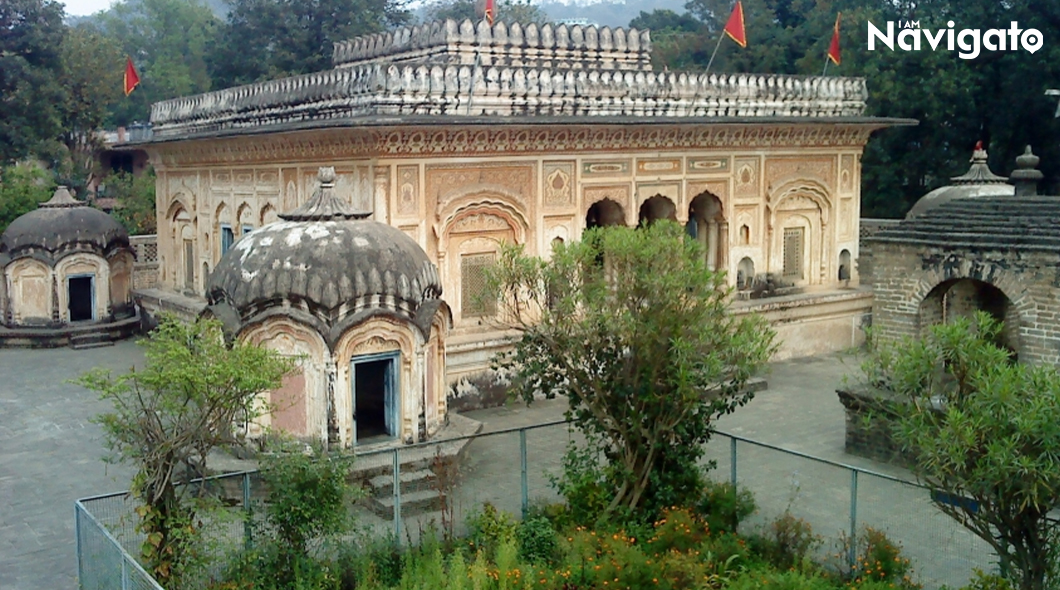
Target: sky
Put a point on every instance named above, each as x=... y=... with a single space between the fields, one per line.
x=83 y=7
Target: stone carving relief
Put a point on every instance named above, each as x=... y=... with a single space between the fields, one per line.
x=703 y=165
x=607 y=168
x=445 y=182
x=846 y=174
x=327 y=145
x=289 y=190
x=408 y=184
x=480 y=222
x=659 y=166
x=746 y=177
x=798 y=203
x=779 y=170
x=718 y=188
x=618 y=193
x=559 y=180
x=266 y=179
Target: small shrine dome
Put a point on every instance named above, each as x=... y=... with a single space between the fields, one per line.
x=359 y=302
x=979 y=181
x=67 y=276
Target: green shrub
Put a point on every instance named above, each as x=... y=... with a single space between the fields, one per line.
x=724 y=506
x=677 y=530
x=765 y=579
x=308 y=499
x=583 y=485
x=489 y=528
x=788 y=542
x=983 y=581
x=877 y=558
x=537 y=540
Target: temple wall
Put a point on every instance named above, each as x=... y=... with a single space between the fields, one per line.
x=460 y=193
x=909 y=281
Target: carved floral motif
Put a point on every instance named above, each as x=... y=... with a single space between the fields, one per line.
x=408 y=190
x=558 y=180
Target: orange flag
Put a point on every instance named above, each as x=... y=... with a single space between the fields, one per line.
x=833 y=48
x=131 y=77
x=489 y=12
x=734 y=28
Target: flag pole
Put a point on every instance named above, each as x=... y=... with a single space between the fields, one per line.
x=711 y=62
x=825 y=71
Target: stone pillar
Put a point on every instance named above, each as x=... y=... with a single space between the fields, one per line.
x=712 y=245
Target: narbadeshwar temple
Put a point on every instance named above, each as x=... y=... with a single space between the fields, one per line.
x=438 y=143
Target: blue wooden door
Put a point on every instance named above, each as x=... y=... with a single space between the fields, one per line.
x=389 y=399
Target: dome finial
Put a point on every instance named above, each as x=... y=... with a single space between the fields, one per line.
x=324 y=205
x=979 y=172
x=1026 y=175
x=61 y=199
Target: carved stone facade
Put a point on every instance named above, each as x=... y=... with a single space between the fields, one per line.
x=464 y=137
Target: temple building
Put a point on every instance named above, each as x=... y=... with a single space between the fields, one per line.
x=357 y=303
x=464 y=136
x=67 y=277
x=984 y=243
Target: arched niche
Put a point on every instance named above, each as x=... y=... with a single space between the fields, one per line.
x=83 y=287
x=30 y=291
x=655 y=209
x=706 y=222
x=798 y=222
x=605 y=213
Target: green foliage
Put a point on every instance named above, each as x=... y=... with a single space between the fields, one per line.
x=489 y=528
x=510 y=11
x=169 y=415
x=135 y=196
x=724 y=506
x=538 y=541
x=267 y=39
x=168 y=42
x=643 y=347
x=982 y=432
x=876 y=559
x=788 y=542
x=308 y=499
x=983 y=581
x=22 y=188
x=784 y=580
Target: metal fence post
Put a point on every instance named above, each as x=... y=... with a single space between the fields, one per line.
x=248 y=541
x=853 y=549
x=732 y=461
x=80 y=548
x=397 y=498
x=523 y=481
x=124 y=571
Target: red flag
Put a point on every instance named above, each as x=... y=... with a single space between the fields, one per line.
x=131 y=77
x=734 y=28
x=833 y=48
x=489 y=12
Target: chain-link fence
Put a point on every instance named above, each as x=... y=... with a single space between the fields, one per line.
x=436 y=485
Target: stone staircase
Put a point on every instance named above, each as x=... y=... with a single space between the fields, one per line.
x=90 y=340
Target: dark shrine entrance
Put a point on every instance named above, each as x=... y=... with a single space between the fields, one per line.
x=375 y=408
x=79 y=298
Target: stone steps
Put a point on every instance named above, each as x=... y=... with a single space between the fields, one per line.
x=91 y=340
x=412 y=503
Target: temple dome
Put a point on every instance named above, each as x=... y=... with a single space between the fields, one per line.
x=60 y=225
x=979 y=181
x=326 y=264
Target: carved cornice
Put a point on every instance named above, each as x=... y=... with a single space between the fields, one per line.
x=398 y=142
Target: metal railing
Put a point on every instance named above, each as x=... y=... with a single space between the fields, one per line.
x=439 y=483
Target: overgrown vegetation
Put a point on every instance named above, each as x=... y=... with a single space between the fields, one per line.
x=646 y=359
x=983 y=432
x=135 y=200
x=169 y=415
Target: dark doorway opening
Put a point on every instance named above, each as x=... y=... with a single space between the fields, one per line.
x=79 y=296
x=374 y=399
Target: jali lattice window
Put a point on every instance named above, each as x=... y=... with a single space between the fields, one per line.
x=473 y=288
x=793 y=243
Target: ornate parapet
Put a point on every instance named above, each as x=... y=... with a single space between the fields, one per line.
x=466 y=43
x=383 y=90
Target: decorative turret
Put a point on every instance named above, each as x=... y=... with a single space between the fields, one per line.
x=1026 y=175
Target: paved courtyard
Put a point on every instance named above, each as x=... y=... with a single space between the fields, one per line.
x=50 y=455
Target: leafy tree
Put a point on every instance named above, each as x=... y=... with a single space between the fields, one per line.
x=92 y=78
x=135 y=196
x=31 y=95
x=984 y=433
x=509 y=11
x=635 y=331
x=266 y=39
x=168 y=42
x=22 y=188
x=168 y=417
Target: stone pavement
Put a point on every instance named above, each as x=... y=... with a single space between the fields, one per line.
x=50 y=456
